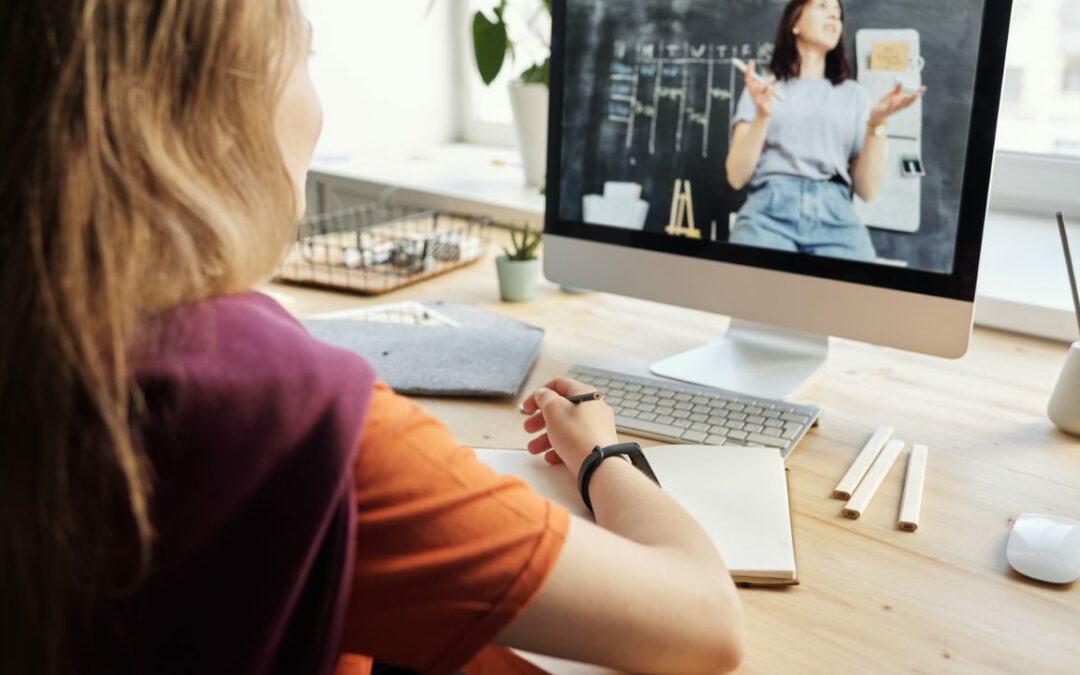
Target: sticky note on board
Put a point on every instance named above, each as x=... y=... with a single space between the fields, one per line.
x=890 y=56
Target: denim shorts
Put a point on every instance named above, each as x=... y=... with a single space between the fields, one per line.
x=801 y=215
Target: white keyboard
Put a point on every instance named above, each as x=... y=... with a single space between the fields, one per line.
x=678 y=412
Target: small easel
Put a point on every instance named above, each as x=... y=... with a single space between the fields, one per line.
x=682 y=208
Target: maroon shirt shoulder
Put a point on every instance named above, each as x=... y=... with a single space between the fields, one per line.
x=252 y=427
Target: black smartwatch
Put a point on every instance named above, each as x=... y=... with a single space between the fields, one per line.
x=632 y=451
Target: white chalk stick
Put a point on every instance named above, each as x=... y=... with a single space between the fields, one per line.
x=874 y=477
x=743 y=66
x=862 y=463
x=913 y=489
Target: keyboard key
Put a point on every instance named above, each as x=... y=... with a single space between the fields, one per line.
x=718 y=418
x=716 y=440
x=700 y=400
x=651 y=427
x=694 y=436
x=633 y=387
x=628 y=413
x=769 y=431
x=633 y=396
x=698 y=418
x=646 y=407
x=682 y=424
x=699 y=426
x=719 y=431
x=647 y=416
x=681 y=415
x=684 y=405
x=682 y=397
x=649 y=399
x=767 y=440
x=754 y=410
x=754 y=428
x=792 y=417
x=629 y=405
x=738 y=435
x=735 y=425
x=735 y=407
x=664 y=410
x=774 y=423
x=703 y=409
x=665 y=419
x=755 y=419
x=790 y=434
x=737 y=417
x=771 y=414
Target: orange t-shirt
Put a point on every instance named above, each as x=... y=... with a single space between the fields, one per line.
x=448 y=552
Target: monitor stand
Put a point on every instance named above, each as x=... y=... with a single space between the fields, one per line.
x=752 y=358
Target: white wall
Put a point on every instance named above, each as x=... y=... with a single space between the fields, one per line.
x=385 y=70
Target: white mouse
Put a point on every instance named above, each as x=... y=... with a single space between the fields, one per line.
x=1045 y=547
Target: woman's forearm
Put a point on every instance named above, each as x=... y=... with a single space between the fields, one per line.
x=629 y=505
x=747 y=142
x=868 y=171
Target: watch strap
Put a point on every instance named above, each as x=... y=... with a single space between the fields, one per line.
x=632 y=451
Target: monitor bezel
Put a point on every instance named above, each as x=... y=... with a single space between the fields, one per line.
x=960 y=284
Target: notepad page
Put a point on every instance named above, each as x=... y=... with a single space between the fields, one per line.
x=738 y=495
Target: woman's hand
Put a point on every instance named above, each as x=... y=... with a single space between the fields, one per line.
x=761 y=90
x=572 y=430
x=892 y=103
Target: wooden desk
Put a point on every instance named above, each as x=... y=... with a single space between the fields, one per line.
x=872 y=598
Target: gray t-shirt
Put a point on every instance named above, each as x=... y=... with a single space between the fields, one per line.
x=814 y=132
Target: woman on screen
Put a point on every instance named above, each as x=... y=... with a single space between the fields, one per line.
x=806 y=137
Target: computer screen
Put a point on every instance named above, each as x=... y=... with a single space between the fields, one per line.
x=848 y=140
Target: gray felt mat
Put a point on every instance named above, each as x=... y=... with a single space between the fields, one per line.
x=487 y=355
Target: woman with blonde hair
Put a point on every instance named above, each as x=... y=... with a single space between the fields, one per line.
x=190 y=483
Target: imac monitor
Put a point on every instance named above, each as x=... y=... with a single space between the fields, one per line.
x=811 y=168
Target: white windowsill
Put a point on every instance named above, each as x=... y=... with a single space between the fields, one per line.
x=1023 y=286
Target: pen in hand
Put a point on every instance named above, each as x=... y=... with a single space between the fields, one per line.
x=581 y=398
x=575 y=399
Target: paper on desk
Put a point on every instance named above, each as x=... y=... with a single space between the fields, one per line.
x=738 y=495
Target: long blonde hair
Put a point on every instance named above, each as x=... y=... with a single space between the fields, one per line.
x=140 y=170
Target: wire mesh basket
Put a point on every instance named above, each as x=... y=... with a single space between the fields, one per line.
x=378 y=247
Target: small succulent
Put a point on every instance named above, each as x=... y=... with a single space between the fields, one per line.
x=525 y=243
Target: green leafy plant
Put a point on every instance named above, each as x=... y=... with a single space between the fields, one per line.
x=524 y=246
x=492 y=44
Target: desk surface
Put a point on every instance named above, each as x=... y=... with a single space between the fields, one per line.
x=872 y=598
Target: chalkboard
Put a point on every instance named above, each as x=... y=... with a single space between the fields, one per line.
x=650 y=90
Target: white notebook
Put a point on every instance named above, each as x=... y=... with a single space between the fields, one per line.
x=738 y=495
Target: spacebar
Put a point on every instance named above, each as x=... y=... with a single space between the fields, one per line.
x=631 y=425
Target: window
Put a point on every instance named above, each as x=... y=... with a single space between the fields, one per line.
x=1070 y=81
x=1013 y=89
x=487 y=114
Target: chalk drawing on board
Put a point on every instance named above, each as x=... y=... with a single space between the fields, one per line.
x=677 y=74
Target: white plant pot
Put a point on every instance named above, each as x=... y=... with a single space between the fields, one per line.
x=530 y=105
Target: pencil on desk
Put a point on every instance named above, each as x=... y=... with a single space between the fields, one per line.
x=862 y=463
x=913 y=489
x=874 y=477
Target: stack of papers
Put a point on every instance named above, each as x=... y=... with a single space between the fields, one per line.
x=620 y=206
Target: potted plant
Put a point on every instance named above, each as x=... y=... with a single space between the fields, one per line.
x=528 y=93
x=519 y=267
